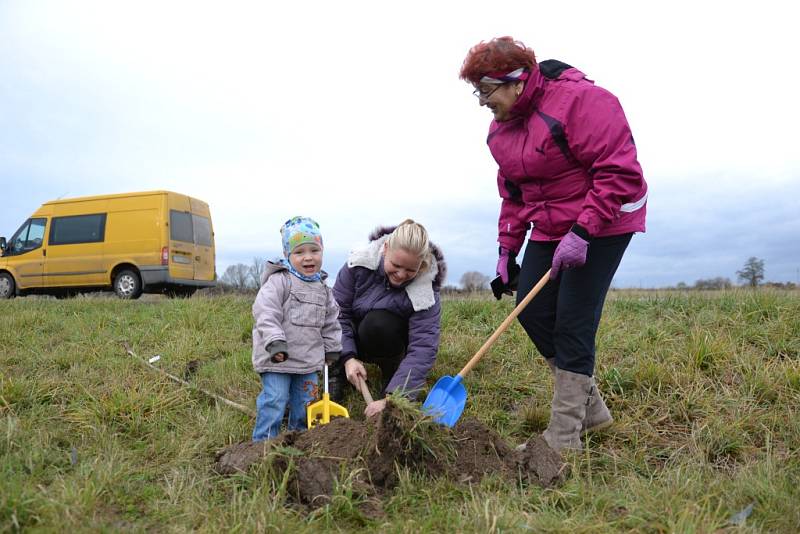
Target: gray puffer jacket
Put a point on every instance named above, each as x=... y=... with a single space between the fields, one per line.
x=298 y=318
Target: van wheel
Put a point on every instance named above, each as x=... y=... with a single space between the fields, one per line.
x=7 y=286
x=127 y=284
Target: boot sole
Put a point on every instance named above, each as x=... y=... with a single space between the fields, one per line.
x=596 y=428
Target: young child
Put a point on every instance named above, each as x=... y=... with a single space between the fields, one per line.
x=296 y=329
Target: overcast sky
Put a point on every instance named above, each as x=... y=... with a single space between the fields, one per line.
x=352 y=113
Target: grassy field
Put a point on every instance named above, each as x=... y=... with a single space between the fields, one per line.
x=705 y=389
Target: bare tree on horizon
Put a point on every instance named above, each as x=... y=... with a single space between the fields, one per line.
x=256 y=270
x=474 y=281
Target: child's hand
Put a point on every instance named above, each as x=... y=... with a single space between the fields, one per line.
x=332 y=357
x=278 y=350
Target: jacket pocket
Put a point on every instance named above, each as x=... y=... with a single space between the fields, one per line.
x=307 y=309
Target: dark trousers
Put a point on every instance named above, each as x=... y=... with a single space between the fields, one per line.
x=562 y=319
x=381 y=339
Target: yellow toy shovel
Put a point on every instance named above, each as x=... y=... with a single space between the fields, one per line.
x=320 y=412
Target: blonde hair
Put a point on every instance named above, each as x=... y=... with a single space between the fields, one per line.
x=413 y=238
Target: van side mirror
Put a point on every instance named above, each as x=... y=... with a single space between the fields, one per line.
x=2 y=243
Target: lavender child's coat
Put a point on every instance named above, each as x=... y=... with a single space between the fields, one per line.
x=296 y=317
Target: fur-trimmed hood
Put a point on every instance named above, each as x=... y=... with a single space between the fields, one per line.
x=421 y=290
x=439 y=278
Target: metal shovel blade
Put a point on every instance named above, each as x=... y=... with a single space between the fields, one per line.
x=446 y=400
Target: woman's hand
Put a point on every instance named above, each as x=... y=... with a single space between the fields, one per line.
x=353 y=369
x=570 y=253
x=507 y=268
x=375 y=407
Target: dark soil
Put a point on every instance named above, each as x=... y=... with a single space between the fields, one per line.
x=364 y=456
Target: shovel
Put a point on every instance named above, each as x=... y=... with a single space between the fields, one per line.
x=320 y=412
x=448 y=396
x=362 y=387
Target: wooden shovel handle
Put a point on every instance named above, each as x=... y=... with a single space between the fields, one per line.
x=362 y=387
x=502 y=328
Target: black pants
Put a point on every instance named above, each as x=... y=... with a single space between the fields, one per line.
x=381 y=339
x=562 y=319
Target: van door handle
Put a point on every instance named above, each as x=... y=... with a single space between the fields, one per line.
x=44 y=252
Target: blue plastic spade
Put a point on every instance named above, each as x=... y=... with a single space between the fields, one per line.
x=447 y=398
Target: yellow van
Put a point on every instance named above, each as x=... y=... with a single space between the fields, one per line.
x=152 y=242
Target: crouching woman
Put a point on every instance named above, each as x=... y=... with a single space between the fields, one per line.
x=390 y=311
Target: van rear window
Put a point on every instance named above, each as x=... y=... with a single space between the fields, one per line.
x=78 y=229
x=202 y=230
x=180 y=226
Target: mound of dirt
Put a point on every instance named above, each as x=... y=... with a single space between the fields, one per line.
x=365 y=455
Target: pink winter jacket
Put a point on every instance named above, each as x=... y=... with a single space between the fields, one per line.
x=567 y=156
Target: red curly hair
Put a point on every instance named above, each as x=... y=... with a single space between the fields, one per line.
x=501 y=54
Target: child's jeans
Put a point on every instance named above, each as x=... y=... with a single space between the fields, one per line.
x=280 y=390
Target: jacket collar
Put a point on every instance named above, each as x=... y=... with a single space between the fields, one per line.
x=419 y=290
x=531 y=95
x=275 y=266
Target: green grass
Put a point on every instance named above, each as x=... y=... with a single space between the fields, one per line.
x=705 y=388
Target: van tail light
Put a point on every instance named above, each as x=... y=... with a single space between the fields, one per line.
x=164 y=255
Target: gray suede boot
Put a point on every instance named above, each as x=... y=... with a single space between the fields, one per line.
x=598 y=417
x=570 y=398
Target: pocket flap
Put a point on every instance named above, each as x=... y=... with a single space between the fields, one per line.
x=309 y=297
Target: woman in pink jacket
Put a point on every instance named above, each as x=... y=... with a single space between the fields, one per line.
x=567 y=167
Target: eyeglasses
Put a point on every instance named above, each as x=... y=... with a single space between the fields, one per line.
x=484 y=95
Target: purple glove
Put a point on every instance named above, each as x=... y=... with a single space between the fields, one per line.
x=507 y=266
x=570 y=253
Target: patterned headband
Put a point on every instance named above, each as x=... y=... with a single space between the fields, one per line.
x=521 y=74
